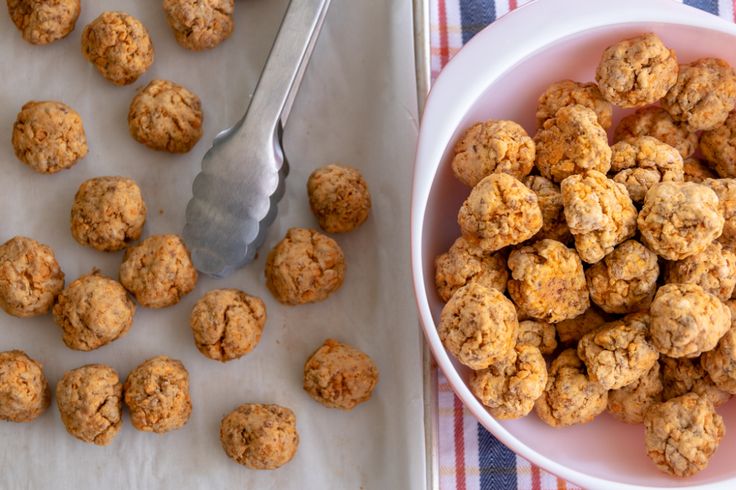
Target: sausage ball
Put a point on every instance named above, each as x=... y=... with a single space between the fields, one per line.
x=493 y=147
x=44 y=21
x=166 y=116
x=682 y=434
x=547 y=281
x=642 y=162
x=571 y=143
x=704 y=94
x=90 y=401
x=261 y=437
x=304 y=267
x=227 y=323
x=479 y=326
x=620 y=352
x=119 y=46
x=599 y=212
x=339 y=198
x=570 y=396
x=464 y=263
x=510 y=389
x=200 y=24
x=625 y=280
x=108 y=213
x=499 y=211
x=157 y=395
x=567 y=92
x=158 y=271
x=48 y=136
x=30 y=277
x=338 y=375
x=93 y=311
x=636 y=71
x=679 y=219
x=687 y=321
x=24 y=391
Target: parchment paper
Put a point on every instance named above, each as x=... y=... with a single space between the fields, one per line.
x=356 y=106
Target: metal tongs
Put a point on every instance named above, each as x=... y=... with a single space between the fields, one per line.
x=236 y=193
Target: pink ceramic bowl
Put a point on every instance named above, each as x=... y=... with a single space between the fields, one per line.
x=499 y=75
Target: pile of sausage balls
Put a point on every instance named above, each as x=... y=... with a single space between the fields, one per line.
x=592 y=277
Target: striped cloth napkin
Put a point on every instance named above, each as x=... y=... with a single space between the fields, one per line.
x=470 y=457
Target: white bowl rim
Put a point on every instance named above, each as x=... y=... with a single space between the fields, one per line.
x=437 y=128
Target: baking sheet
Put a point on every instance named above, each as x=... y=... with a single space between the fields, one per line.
x=357 y=106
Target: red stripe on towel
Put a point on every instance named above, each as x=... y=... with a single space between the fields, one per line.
x=459 y=443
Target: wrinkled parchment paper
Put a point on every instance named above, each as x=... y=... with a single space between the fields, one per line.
x=357 y=106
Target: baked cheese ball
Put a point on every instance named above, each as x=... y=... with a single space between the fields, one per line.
x=200 y=24
x=567 y=92
x=166 y=116
x=656 y=122
x=158 y=272
x=44 y=21
x=541 y=335
x=625 y=280
x=619 y=353
x=570 y=396
x=90 y=401
x=704 y=94
x=24 y=391
x=684 y=375
x=510 y=389
x=479 y=326
x=119 y=46
x=720 y=363
x=570 y=143
x=640 y=163
x=493 y=147
x=713 y=269
x=227 y=323
x=599 y=212
x=499 y=211
x=630 y=403
x=93 y=311
x=679 y=219
x=338 y=375
x=637 y=71
x=157 y=395
x=547 y=281
x=719 y=146
x=686 y=320
x=682 y=434
x=305 y=267
x=48 y=136
x=339 y=198
x=571 y=331
x=30 y=277
x=697 y=170
x=464 y=263
x=108 y=213
x=725 y=190
x=549 y=199
x=259 y=436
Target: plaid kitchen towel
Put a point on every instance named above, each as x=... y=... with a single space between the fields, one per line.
x=470 y=457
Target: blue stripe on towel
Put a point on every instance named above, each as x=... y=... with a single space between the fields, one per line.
x=476 y=15
x=710 y=6
x=497 y=463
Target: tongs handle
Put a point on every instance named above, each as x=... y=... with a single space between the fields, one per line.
x=276 y=89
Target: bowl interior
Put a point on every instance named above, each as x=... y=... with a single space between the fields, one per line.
x=605 y=448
